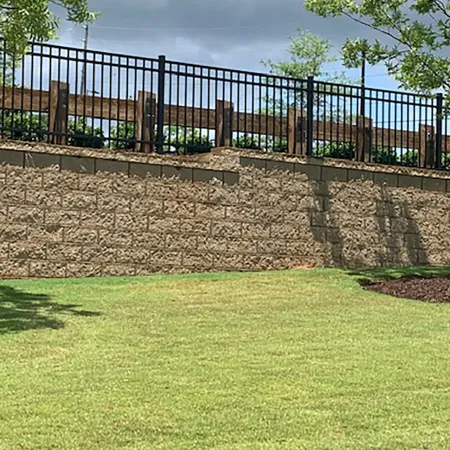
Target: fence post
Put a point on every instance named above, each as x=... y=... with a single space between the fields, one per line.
x=58 y=112
x=161 y=99
x=297 y=134
x=439 y=114
x=309 y=115
x=145 y=126
x=427 y=150
x=224 y=116
x=364 y=139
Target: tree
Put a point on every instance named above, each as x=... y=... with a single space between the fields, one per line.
x=25 y=20
x=416 y=35
x=308 y=56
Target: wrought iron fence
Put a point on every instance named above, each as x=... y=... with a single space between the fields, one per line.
x=97 y=99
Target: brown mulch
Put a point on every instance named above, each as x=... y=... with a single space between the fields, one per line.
x=432 y=290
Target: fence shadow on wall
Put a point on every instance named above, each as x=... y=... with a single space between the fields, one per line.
x=399 y=233
x=22 y=311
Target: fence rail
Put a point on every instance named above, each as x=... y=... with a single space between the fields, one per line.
x=71 y=96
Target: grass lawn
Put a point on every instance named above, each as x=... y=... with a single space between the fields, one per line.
x=290 y=360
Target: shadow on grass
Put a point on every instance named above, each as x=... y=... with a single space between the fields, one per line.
x=367 y=276
x=21 y=311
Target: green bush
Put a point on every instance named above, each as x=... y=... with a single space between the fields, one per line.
x=246 y=142
x=123 y=136
x=83 y=135
x=24 y=126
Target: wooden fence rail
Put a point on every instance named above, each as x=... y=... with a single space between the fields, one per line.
x=59 y=103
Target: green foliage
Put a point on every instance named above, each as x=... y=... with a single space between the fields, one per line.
x=341 y=150
x=22 y=21
x=247 y=142
x=34 y=128
x=24 y=126
x=384 y=155
x=83 y=135
x=176 y=139
x=418 y=33
x=186 y=140
x=308 y=56
x=123 y=136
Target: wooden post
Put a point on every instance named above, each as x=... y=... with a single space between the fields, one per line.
x=58 y=112
x=297 y=132
x=224 y=118
x=145 y=126
x=365 y=139
x=427 y=157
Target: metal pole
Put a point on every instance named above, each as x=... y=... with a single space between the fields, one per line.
x=439 y=113
x=363 y=85
x=309 y=116
x=84 y=73
x=160 y=100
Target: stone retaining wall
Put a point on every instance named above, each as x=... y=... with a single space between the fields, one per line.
x=68 y=212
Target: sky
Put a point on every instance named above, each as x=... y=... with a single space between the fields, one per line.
x=235 y=34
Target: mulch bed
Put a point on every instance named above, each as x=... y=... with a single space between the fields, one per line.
x=432 y=290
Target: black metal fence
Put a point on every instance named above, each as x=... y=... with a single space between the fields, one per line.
x=96 y=99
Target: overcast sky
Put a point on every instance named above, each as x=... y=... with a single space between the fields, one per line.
x=230 y=33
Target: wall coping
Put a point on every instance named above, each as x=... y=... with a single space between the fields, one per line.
x=226 y=159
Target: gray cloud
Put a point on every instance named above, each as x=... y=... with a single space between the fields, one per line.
x=235 y=33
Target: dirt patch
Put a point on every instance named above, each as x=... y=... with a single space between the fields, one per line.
x=432 y=290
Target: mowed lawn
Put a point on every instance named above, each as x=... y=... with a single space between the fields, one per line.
x=287 y=360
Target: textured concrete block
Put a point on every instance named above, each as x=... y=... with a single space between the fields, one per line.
x=224 y=195
x=386 y=179
x=27 y=250
x=47 y=269
x=97 y=219
x=43 y=198
x=434 y=184
x=311 y=171
x=62 y=217
x=410 y=181
x=231 y=178
x=138 y=222
x=14 y=268
x=226 y=229
x=114 y=202
x=25 y=214
x=78 y=164
x=79 y=200
x=334 y=174
x=206 y=176
x=45 y=233
x=182 y=173
x=209 y=211
x=111 y=166
x=12 y=157
x=256 y=163
x=117 y=270
x=360 y=175
x=145 y=170
x=83 y=270
x=64 y=252
x=42 y=160
x=284 y=166
x=174 y=208
x=120 y=238
x=80 y=235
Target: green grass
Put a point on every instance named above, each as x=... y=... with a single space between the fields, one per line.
x=291 y=360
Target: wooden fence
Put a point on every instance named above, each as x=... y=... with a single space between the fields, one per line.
x=59 y=103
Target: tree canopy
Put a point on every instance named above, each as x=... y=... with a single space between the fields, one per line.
x=414 y=38
x=309 y=55
x=25 y=20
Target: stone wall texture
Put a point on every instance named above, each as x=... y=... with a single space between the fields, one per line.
x=81 y=213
